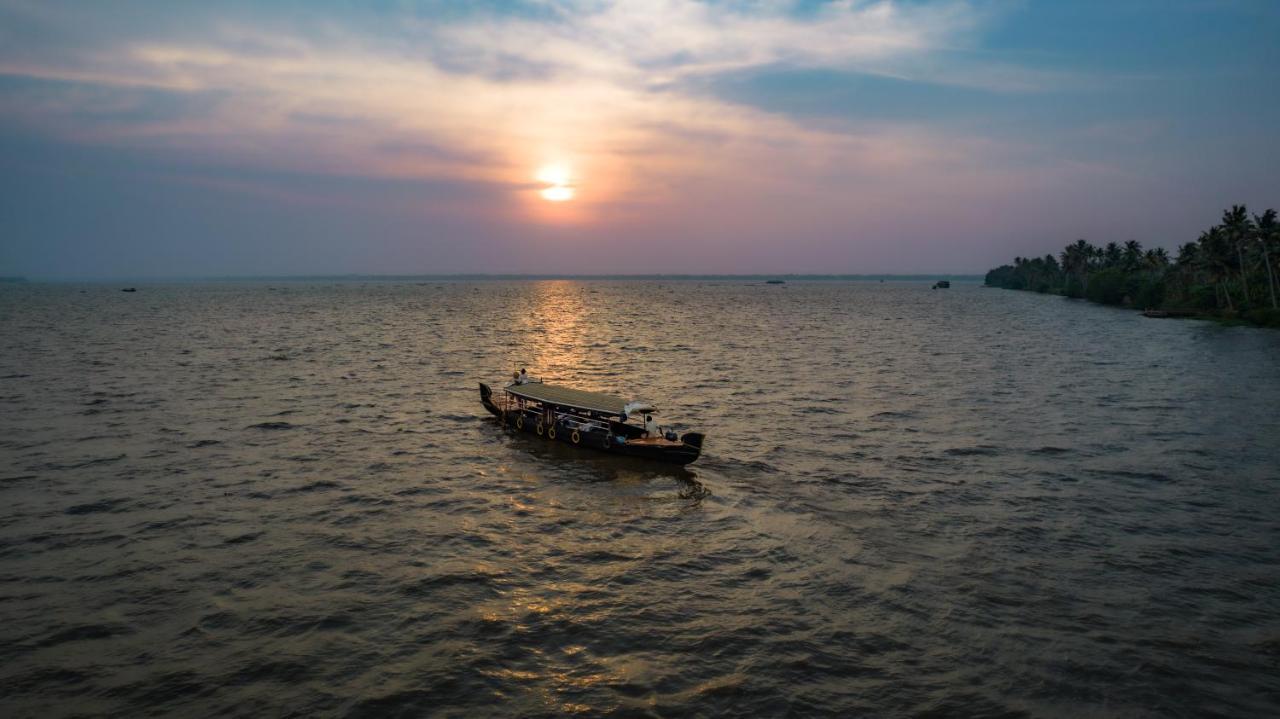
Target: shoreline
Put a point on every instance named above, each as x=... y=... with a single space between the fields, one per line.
x=1229 y=274
x=1163 y=313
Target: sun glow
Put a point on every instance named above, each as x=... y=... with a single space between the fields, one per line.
x=558 y=193
x=553 y=174
x=560 y=188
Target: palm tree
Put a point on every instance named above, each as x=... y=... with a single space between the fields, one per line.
x=1132 y=255
x=1238 y=229
x=1112 y=255
x=1076 y=258
x=1053 y=270
x=1267 y=232
x=1188 y=266
x=1157 y=258
x=1188 y=254
x=1215 y=258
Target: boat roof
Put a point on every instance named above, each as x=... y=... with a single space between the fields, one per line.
x=576 y=398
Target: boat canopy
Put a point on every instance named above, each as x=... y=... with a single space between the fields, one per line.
x=577 y=399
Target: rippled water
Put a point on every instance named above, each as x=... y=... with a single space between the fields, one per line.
x=262 y=500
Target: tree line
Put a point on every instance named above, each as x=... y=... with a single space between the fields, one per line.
x=1231 y=271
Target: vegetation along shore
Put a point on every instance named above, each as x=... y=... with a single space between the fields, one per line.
x=1228 y=273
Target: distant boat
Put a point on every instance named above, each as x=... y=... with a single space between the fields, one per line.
x=775 y=282
x=586 y=419
x=130 y=289
x=942 y=284
x=1168 y=313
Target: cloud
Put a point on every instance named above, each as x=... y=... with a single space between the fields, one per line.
x=584 y=82
x=653 y=41
x=480 y=99
x=719 y=126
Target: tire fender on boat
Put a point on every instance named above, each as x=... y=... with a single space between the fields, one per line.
x=575 y=437
x=539 y=429
x=520 y=422
x=551 y=432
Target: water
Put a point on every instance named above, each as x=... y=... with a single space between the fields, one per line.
x=260 y=500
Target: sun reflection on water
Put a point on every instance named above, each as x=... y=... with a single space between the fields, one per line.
x=561 y=341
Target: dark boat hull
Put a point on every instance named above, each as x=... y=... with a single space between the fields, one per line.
x=530 y=421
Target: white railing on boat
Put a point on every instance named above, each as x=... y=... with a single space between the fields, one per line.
x=580 y=423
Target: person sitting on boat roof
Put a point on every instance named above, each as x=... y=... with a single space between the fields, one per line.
x=651 y=428
x=523 y=377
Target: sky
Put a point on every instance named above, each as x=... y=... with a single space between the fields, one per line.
x=173 y=139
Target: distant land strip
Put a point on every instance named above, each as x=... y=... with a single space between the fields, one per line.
x=512 y=277
x=1231 y=273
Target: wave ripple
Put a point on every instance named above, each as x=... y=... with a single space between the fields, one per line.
x=253 y=500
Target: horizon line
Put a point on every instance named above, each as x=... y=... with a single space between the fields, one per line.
x=378 y=277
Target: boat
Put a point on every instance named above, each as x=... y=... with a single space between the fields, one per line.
x=775 y=282
x=593 y=420
x=942 y=284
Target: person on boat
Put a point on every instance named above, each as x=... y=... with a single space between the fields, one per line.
x=651 y=428
x=523 y=377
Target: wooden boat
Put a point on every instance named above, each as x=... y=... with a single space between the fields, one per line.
x=586 y=419
x=942 y=285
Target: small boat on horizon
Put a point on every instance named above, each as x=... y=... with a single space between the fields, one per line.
x=775 y=282
x=594 y=420
x=942 y=284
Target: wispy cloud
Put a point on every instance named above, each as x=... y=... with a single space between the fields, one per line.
x=730 y=122
x=583 y=82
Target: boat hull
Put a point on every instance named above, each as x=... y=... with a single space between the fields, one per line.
x=529 y=421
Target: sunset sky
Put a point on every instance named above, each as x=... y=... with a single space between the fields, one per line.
x=237 y=138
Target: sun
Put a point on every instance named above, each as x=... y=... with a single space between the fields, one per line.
x=558 y=193
x=554 y=174
x=559 y=180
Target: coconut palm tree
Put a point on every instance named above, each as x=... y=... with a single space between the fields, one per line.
x=1020 y=270
x=1188 y=254
x=1187 y=266
x=1132 y=255
x=1076 y=258
x=1215 y=258
x=1112 y=255
x=1053 y=270
x=1156 y=258
x=1238 y=230
x=1267 y=233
